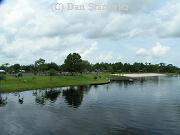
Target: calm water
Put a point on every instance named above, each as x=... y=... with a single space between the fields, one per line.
x=143 y=107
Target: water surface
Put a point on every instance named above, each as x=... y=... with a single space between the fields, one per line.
x=143 y=107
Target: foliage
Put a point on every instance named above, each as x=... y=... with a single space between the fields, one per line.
x=15 y=68
x=53 y=66
x=136 y=67
x=52 y=72
x=39 y=62
x=40 y=65
x=73 y=63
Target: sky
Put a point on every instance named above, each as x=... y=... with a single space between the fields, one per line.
x=149 y=31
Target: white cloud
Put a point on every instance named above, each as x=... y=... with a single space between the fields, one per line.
x=159 y=50
x=156 y=51
x=142 y=52
x=168 y=20
x=89 y=51
x=29 y=29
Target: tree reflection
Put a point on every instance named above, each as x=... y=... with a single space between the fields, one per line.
x=74 y=95
x=40 y=100
x=130 y=131
x=52 y=95
x=41 y=96
x=20 y=98
x=3 y=101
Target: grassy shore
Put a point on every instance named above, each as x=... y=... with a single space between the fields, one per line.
x=31 y=82
x=13 y=84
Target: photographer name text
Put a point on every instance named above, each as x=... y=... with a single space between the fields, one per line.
x=91 y=6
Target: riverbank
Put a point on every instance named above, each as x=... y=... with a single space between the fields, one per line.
x=25 y=83
x=31 y=82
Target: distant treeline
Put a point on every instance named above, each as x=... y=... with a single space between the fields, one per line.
x=74 y=64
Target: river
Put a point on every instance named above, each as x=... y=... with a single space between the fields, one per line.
x=150 y=106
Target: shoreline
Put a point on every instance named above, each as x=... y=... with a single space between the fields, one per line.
x=43 y=82
x=60 y=86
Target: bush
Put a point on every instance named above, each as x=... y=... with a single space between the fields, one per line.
x=95 y=77
x=52 y=72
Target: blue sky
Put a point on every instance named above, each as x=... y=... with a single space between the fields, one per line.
x=148 y=32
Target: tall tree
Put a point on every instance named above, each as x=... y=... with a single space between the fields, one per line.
x=40 y=65
x=16 y=67
x=73 y=63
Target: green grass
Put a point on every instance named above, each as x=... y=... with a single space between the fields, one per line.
x=13 y=84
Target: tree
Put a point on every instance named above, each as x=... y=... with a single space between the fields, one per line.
x=4 y=66
x=73 y=63
x=86 y=66
x=40 y=65
x=16 y=68
x=39 y=62
x=52 y=72
x=52 y=65
x=28 y=68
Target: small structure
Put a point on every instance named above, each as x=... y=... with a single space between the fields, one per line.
x=18 y=74
x=22 y=71
x=65 y=74
x=131 y=80
x=2 y=71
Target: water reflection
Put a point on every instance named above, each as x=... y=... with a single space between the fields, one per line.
x=52 y=95
x=141 y=81
x=20 y=98
x=148 y=106
x=3 y=101
x=74 y=95
x=41 y=96
x=130 y=131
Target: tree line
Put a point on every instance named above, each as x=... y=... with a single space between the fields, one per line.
x=74 y=64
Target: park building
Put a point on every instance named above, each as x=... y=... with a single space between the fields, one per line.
x=2 y=71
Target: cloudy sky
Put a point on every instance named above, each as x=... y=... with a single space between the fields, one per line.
x=148 y=32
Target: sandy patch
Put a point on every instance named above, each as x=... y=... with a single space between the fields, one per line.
x=140 y=75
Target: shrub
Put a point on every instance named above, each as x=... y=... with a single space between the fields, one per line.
x=52 y=72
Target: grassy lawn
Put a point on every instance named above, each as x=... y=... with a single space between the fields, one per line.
x=13 y=84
